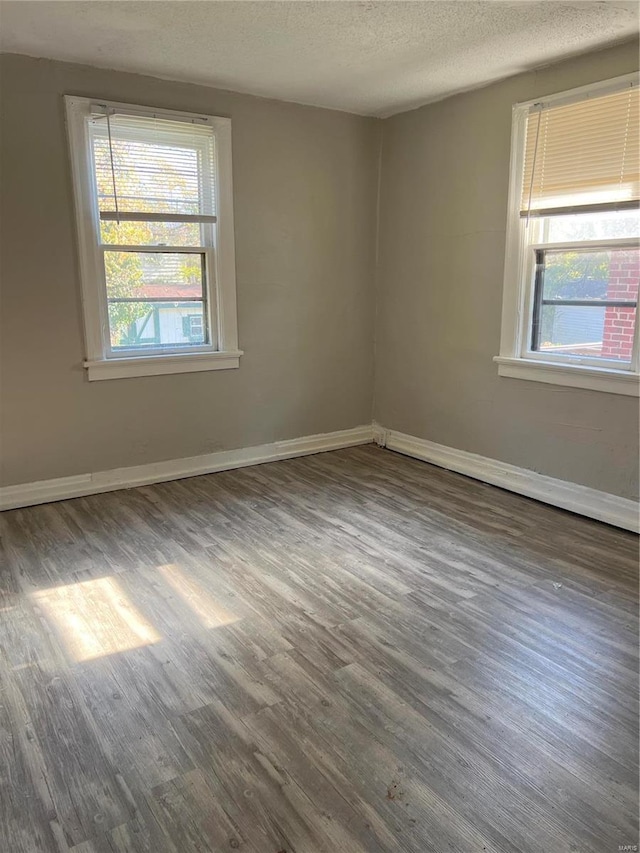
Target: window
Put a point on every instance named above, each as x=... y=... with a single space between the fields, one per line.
x=154 y=209
x=572 y=266
x=192 y=327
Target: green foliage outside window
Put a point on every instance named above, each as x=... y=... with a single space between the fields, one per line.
x=572 y=275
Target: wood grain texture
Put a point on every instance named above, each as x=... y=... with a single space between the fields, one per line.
x=353 y=652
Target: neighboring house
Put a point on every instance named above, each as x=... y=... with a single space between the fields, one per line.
x=167 y=323
x=571 y=326
x=624 y=273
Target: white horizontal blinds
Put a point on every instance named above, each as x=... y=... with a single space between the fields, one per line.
x=153 y=168
x=583 y=155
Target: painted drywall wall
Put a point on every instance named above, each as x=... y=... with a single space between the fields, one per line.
x=305 y=184
x=443 y=205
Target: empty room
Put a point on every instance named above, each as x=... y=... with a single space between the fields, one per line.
x=319 y=426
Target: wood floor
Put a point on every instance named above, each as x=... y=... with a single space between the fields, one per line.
x=353 y=652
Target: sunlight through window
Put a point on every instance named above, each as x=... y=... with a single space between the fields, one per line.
x=207 y=609
x=95 y=618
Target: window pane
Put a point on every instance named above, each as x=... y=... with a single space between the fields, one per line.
x=154 y=275
x=607 y=274
x=149 y=293
x=151 y=233
x=588 y=332
x=595 y=331
x=591 y=226
x=150 y=325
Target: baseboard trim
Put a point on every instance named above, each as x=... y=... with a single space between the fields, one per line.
x=592 y=503
x=62 y=488
x=583 y=500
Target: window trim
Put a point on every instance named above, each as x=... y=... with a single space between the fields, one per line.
x=101 y=362
x=515 y=360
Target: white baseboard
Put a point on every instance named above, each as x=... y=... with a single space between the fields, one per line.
x=379 y=435
x=592 y=503
x=61 y=488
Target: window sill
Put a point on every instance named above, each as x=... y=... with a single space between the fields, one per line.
x=575 y=376
x=155 y=365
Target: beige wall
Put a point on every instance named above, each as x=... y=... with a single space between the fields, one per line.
x=442 y=241
x=305 y=183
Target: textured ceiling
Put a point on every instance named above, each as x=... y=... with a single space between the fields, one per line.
x=374 y=58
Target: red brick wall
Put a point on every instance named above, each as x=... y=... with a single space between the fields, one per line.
x=624 y=274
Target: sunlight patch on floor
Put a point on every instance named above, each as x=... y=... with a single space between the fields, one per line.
x=95 y=618
x=209 y=611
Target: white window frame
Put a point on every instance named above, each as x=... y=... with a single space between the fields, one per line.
x=516 y=360
x=101 y=361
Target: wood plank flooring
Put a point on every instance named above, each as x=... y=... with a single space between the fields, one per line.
x=350 y=652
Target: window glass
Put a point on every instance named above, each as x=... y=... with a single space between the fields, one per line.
x=164 y=285
x=151 y=233
x=585 y=303
x=591 y=226
x=166 y=323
